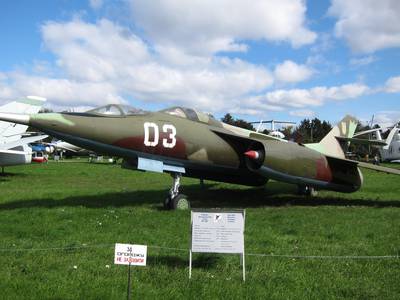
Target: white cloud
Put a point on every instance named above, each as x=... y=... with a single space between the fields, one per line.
x=94 y=52
x=387 y=118
x=343 y=92
x=362 y=61
x=317 y=96
x=299 y=99
x=103 y=62
x=290 y=72
x=201 y=27
x=99 y=63
x=367 y=25
x=96 y=4
x=304 y=113
x=392 y=85
x=63 y=92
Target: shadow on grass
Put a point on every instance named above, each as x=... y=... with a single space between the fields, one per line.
x=7 y=174
x=200 y=198
x=204 y=261
x=169 y=261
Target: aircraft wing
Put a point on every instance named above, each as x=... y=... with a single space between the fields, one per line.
x=364 y=165
x=16 y=152
x=10 y=132
x=63 y=148
x=22 y=141
x=233 y=137
x=367 y=131
x=262 y=136
x=362 y=141
x=244 y=133
x=379 y=168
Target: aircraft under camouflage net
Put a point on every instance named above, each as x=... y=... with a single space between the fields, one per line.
x=185 y=142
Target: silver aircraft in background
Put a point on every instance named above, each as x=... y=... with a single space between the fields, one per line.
x=14 y=140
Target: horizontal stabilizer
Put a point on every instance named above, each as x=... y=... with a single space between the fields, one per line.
x=362 y=141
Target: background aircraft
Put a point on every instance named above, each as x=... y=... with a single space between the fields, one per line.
x=183 y=141
x=57 y=145
x=389 y=150
x=273 y=132
x=14 y=149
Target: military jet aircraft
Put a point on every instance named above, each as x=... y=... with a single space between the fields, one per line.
x=14 y=149
x=389 y=149
x=185 y=142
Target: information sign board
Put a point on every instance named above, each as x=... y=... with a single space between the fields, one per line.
x=217 y=232
x=127 y=254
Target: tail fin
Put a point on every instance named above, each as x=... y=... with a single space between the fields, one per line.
x=30 y=105
x=390 y=137
x=330 y=145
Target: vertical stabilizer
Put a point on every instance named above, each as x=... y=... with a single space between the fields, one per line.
x=10 y=132
x=390 y=137
x=329 y=145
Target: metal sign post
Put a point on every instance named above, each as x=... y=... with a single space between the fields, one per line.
x=129 y=282
x=217 y=231
x=127 y=254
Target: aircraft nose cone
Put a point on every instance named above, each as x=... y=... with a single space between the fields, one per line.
x=15 y=118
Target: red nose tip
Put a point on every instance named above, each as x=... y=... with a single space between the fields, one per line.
x=252 y=154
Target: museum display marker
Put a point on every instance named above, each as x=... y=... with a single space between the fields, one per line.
x=127 y=254
x=217 y=231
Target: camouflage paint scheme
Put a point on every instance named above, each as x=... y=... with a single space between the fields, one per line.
x=205 y=147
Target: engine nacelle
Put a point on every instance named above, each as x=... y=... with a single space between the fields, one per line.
x=299 y=165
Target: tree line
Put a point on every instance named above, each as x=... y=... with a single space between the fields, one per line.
x=308 y=131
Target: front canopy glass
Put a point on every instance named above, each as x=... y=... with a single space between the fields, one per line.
x=116 y=110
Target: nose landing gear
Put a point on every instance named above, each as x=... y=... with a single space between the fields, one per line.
x=175 y=200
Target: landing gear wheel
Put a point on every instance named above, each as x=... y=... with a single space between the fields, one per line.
x=180 y=202
x=167 y=202
x=307 y=191
x=174 y=199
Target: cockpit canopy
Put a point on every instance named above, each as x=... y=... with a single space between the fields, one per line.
x=191 y=114
x=116 y=110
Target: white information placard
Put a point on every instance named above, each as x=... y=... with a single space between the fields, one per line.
x=127 y=254
x=218 y=232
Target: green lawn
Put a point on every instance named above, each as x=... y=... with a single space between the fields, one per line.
x=77 y=204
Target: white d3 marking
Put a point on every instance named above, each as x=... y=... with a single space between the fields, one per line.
x=168 y=142
x=168 y=128
x=147 y=141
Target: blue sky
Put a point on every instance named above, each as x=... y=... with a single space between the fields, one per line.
x=286 y=59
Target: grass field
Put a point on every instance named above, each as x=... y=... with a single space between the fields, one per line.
x=83 y=209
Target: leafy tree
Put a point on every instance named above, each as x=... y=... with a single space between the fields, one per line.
x=228 y=119
x=45 y=110
x=287 y=132
x=311 y=131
